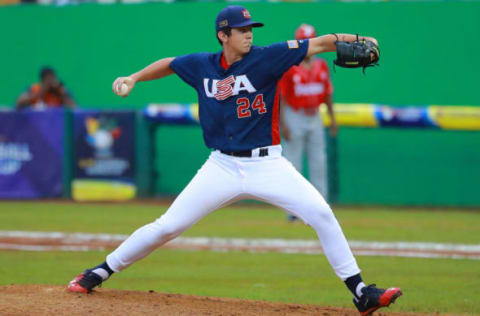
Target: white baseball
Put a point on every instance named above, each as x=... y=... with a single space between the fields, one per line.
x=123 y=89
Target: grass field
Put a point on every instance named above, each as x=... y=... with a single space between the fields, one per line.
x=430 y=285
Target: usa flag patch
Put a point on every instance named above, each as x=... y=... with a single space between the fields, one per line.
x=292 y=44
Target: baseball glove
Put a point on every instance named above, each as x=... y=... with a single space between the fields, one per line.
x=356 y=54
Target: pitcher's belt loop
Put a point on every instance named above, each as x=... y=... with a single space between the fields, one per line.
x=263 y=152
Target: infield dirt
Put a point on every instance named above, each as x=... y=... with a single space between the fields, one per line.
x=55 y=300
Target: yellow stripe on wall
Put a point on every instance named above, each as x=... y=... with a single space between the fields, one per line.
x=455 y=117
x=102 y=190
x=351 y=114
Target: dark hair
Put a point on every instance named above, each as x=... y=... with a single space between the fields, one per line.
x=45 y=71
x=227 y=30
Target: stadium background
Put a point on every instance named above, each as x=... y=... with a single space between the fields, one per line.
x=428 y=50
x=426 y=59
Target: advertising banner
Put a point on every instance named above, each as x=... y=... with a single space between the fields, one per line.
x=172 y=113
x=31 y=154
x=104 y=155
x=351 y=114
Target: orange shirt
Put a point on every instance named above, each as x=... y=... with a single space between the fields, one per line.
x=306 y=88
x=49 y=99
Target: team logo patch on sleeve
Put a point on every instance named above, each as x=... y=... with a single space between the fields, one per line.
x=292 y=44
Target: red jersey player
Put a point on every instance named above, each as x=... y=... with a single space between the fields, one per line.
x=303 y=89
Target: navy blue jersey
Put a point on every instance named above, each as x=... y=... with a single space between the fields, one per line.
x=239 y=106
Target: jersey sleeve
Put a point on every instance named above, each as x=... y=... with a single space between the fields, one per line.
x=281 y=56
x=187 y=68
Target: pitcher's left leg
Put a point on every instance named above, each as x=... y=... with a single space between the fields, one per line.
x=279 y=183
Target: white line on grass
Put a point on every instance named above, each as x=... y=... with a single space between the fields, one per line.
x=48 y=241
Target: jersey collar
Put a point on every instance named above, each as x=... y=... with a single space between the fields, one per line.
x=219 y=64
x=223 y=62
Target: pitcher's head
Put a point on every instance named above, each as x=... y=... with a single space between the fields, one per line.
x=234 y=27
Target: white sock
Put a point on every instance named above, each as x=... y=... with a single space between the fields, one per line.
x=101 y=272
x=359 y=288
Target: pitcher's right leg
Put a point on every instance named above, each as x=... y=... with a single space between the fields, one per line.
x=208 y=190
x=213 y=186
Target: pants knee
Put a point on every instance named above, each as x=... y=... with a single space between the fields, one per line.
x=321 y=215
x=326 y=214
x=166 y=230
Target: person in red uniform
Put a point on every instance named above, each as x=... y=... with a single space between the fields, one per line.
x=47 y=93
x=303 y=89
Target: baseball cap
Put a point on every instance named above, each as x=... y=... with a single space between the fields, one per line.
x=234 y=16
x=305 y=31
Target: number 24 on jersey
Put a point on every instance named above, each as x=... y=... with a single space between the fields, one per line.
x=244 y=108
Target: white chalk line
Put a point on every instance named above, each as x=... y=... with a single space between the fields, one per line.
x=40 y=241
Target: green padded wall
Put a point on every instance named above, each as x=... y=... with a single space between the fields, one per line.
x=427 y=48
x=180 y=152
x=409 y=166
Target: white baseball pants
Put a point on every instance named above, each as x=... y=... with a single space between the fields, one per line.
x=224 y=179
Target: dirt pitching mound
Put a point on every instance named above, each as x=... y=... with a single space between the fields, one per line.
x=55 y=300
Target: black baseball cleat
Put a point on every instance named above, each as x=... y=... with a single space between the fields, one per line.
x=374 y=298
x=84 y=282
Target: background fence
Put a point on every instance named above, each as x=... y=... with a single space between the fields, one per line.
x=426 y=59
x=426 y=47
x=367 y=165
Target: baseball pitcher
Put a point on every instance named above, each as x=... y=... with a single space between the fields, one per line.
x=239 y=116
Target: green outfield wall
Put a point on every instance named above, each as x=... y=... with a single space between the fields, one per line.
x=375 y=166
x=427 y=48
x=408 y=166
x=427 y=51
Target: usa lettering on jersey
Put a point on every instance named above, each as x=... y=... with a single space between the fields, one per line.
x=225 y=88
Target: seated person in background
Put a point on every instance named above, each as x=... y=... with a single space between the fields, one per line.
x=49 y=92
